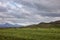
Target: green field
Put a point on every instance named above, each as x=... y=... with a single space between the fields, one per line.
x=30 y=34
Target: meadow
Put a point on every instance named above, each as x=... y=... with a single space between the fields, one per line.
x=30 y=34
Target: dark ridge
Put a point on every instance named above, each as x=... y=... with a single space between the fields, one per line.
x=55 y=24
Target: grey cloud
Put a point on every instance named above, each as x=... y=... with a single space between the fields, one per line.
x=2 y=9
x=31 y=11
x=41 y=7
x=50 y=14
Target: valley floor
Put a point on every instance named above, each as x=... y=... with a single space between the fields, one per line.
x=30 y=34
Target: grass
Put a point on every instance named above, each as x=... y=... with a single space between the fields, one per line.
x=30 y=34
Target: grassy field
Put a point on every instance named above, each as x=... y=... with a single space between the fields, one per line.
x=30 y=34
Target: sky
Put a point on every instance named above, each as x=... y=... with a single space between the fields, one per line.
x=26 y=12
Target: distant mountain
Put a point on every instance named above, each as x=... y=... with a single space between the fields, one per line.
x=4 y=25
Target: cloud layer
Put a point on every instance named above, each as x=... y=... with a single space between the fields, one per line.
x=29 y=11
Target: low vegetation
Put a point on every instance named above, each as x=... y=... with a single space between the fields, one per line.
x=30 y=34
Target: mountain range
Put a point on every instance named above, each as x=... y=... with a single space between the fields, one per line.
x=7 y=25
x=42 y=24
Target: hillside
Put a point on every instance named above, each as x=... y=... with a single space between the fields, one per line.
x=55 y=24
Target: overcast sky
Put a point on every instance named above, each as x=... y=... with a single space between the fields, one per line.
x=26 y=12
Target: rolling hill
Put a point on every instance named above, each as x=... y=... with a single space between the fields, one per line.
x=55 y=24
